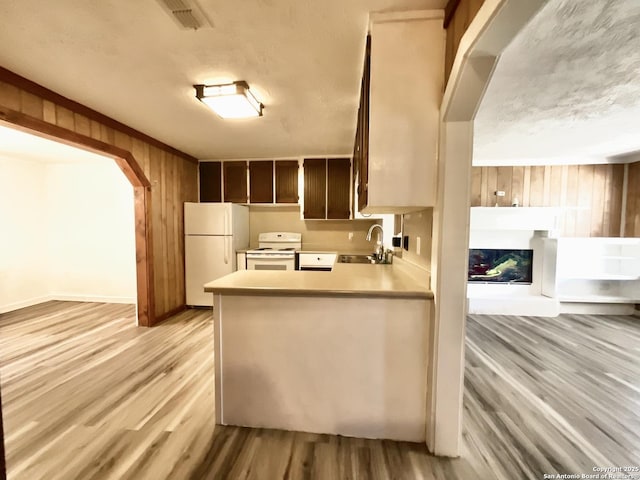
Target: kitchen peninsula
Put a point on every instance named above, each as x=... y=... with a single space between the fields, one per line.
x=342 y=352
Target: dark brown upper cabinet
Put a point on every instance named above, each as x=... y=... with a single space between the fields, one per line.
x=286 y=181
x=327 y=188
x=338 y=188
x=235 y=182
x=210 y=181
x=315 y=188
x=361 y=144
x=261 y=182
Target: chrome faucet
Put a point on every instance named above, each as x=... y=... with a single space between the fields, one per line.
x=380 y=249
x=371 y=229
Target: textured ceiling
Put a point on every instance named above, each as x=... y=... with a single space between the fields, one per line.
x=129 y=60
x=567 y=90
x=18 y=145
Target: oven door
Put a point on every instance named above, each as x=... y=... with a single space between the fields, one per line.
x=271 y=262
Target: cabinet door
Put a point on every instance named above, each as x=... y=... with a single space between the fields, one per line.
x=406 y=86
x=287 y=181
x=338 y=187
x=210 y=182
x=261 y=182
x=315 y=188
x=363 y=119
x=235 y=182
x=356 y=164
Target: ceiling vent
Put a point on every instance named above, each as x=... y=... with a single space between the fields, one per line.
x=186 y=13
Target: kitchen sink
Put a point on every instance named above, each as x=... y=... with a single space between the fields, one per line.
x=356 y=259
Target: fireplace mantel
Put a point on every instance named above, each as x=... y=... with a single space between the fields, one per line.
x=515 y=218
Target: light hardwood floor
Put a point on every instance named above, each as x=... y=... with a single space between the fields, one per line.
x=87 y=395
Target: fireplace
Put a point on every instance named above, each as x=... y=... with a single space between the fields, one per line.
x=493 y=265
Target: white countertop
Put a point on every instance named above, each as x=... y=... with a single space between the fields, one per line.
x=397 y=280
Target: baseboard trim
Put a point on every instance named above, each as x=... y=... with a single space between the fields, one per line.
x=596 y=308
x=170 y=313
x=10 y=307
x=92 y=298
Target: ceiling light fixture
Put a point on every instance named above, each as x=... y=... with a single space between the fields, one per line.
x=231 y=100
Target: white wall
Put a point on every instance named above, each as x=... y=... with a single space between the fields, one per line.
x=418 y=225
x=23 y=268
x=67 y=233
x=91 y=229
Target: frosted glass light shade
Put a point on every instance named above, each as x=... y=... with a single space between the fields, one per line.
x=232 y=100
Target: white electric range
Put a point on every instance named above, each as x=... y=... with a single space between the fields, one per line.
x=276 y=251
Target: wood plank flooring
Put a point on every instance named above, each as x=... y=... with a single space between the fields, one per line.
x=553 y=395
x=87 y=395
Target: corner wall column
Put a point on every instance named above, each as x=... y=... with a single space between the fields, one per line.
x=451 y=238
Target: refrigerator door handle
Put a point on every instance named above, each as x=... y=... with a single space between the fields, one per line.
x=227 y=227
x=226 y=249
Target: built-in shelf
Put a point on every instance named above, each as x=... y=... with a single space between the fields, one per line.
x=592 y=270
x=583 y=275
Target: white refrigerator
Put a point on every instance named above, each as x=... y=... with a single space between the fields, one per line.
x=212 y=234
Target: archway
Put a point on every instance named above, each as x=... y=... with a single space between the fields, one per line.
x=141 y=191
x=495 y=25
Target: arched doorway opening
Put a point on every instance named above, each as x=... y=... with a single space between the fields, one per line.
x=494 y=27
x=141 y=191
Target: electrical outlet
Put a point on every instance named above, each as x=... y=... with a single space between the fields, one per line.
x=417 y=245
x=350 y=235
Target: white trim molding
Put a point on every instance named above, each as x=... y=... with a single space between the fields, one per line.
x=493 y=28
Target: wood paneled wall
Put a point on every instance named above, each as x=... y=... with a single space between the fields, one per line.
x=172 y=174
x=632 y=218
x=590 y=194
x=458 y=17
x=174 y=181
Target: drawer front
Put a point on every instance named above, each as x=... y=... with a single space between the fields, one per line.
x=317 y=259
